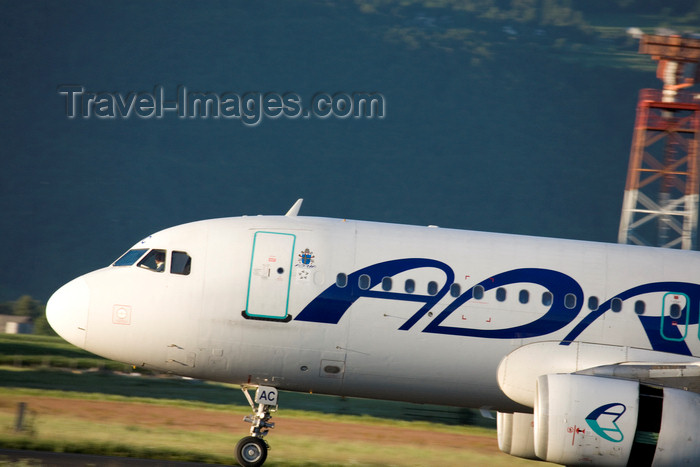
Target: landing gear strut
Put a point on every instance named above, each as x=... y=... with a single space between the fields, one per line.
x=251 y=451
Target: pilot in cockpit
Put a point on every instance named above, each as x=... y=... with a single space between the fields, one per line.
x=160 y=261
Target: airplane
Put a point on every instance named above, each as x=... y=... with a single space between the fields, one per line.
x=588 y=352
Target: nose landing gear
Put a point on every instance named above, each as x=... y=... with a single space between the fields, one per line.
x=251 y=451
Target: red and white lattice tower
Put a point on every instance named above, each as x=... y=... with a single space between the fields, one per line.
x=660 y=206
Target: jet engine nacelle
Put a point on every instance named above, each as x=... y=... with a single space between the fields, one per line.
x=515 y=434
x=589 y=420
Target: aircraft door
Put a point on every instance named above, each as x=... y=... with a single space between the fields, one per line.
x=270 y=274
x=675 y=316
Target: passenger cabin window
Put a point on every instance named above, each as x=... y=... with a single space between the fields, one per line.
x=675 y=311
x=410 y=286
x=547 y=298
x=130 y=257
x=639 y=307
x=455 y=290
x=570 y=301
x=386 y=284
x=501 y=294
x=432 y=288
x=524 y=296
x=616 y=305
x=341 y=280
x=364 y=282
x=593 y=303
x=180 y=263
x=154 y=260
x=478 y=292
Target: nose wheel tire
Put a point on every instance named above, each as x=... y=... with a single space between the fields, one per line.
x=251 y=452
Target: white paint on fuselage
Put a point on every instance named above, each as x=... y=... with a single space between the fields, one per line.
x=193 y=325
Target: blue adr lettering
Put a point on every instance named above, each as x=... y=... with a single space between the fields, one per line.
x=556 y=317
x=654 y=326
x=333 y=302
x=330 y=306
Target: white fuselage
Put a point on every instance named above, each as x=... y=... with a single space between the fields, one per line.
x=420 y=314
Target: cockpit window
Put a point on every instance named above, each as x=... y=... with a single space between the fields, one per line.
x=130 y=257
x=180 y=263
x=154 y=260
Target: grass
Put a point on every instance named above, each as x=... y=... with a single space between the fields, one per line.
x=66 y=434
x=172 y=439
x=63 y=434
x=185 y=391
x=28 y=344
x=50 y=351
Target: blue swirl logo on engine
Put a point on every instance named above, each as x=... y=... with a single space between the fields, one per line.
x=603 y=421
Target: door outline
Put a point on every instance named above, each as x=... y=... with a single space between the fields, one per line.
x=252 y=274
x=679 y=321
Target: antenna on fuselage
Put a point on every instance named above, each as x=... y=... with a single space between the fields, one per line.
x=294 y=210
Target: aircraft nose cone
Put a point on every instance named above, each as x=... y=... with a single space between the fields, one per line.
x=67 y=311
